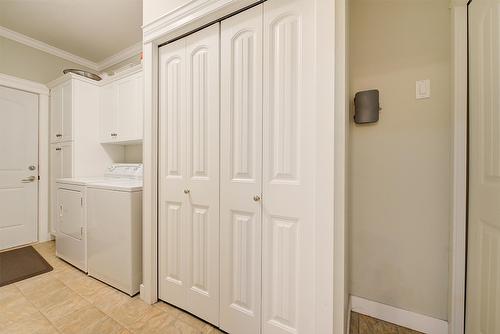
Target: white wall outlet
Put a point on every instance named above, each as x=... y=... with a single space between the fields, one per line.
x=423 y=89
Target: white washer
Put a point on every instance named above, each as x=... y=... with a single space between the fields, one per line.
x=116 y=206
x=114 y=229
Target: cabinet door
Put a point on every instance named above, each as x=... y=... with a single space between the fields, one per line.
x=289 y=169
x=56 y=107
x=108 y=110
x=61 y=166
x=67 y=111
x=241 y=172
x=55 y=173
x=66 y=160
x=129 y=109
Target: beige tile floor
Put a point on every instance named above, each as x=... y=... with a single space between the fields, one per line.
x=67 y=301
x=362 y=324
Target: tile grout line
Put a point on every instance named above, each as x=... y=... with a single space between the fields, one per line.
x=37 y=309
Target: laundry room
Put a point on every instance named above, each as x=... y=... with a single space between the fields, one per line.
x=249 y=166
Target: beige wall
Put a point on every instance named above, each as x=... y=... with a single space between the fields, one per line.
x=400 y=167
x=28 y=63
x=153 y=9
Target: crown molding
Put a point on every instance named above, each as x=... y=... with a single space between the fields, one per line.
x=22 y=84
x=189 y=16
x=96 y=66
x=36 y=44
x=120 y=56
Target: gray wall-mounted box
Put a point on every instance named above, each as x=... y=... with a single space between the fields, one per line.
x=366 y=107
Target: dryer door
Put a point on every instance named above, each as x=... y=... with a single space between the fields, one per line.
x=70 y=213
x=71 y=236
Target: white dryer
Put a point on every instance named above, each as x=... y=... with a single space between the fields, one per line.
x=71 y=222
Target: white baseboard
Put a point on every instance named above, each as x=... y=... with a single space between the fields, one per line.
x=411 y=320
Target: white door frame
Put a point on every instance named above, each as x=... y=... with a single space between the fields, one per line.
x=458 y=236
x=331 y=30
x=43 y=147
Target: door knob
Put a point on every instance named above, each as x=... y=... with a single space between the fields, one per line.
x=29 y=179
x=256 y=198
x=187 y=191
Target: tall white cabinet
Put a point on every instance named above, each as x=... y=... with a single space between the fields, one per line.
x=75 y=148
x=268 y=171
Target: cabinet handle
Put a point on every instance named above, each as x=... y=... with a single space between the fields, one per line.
x=58 y=149
x=256 y=198
x=59 y=135
x=187 y=191
x=114 y=135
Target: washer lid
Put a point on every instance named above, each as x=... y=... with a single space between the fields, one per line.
x=80 y=181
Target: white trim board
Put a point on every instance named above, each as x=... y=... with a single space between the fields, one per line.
x=96 y=66
x=458 y=235
x=411 y=320
x=22 y=84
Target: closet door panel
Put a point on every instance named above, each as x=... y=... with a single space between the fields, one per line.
x=202 y=151
x=241 y=171
x=173 y=208
x=288 y=168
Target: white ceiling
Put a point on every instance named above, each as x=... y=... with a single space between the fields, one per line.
x=92 y=29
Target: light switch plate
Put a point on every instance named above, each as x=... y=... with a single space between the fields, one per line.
x=423 y=89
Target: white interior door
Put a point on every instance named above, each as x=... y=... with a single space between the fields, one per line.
x=189 y=190
x=289 y=169
x=18 y=167
x=241 y=172
x=483 y=272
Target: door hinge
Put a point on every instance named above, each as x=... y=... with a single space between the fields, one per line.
x=38 y=177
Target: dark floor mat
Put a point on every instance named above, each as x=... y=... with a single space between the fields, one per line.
x=22 y=263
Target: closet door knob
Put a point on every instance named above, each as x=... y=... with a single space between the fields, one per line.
x=256 y=198
x=187 y=191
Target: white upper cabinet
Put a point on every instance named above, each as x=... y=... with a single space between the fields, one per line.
x=122 y=110
x=61 y=118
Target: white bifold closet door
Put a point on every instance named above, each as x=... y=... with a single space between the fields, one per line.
x=290 y=161
x=241 y=172
x=268 y=141
x=189 y=174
